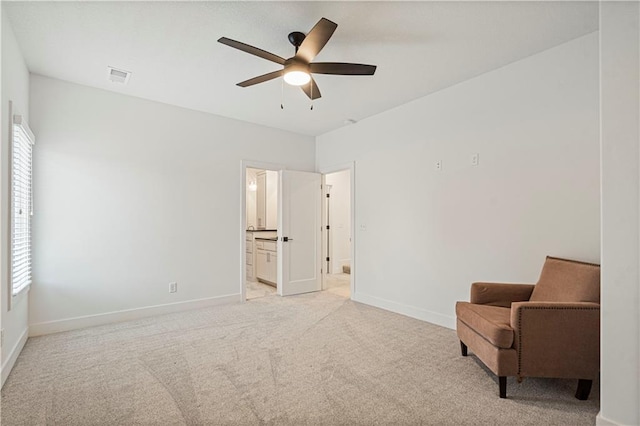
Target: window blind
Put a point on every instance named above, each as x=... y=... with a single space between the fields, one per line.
x=21 y=204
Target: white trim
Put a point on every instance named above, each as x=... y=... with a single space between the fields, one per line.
x=325 y=248
x=17 y=298
x=407 y=310
x=57 y=326
x=601 y=421
x=244 y=164
x=13 y=355
x=351 y=166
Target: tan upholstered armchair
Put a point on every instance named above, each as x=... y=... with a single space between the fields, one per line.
x=551 y=329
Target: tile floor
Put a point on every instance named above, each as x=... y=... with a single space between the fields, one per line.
x=338 y=284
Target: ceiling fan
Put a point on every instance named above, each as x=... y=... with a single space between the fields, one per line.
x=297 y=69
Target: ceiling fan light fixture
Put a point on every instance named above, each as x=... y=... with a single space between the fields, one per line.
x=297 y=78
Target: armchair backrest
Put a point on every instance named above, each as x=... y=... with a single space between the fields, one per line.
x=563 y=280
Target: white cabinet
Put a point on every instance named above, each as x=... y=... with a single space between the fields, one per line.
x=266 y=261
x=261 y=265
x=267 y=200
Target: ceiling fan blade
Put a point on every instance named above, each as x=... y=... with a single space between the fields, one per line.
x=340 y=68
x=316 y=39
x=252 y=50
x=261 y=78
x=311 y=89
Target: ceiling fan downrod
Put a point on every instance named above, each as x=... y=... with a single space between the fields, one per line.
x=296 y=38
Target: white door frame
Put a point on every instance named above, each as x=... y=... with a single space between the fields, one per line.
x=244 y=165
x=351 y=166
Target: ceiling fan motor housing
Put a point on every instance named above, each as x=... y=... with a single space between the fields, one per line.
x=295 y=64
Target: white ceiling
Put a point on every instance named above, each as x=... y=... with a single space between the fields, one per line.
x=171 y=48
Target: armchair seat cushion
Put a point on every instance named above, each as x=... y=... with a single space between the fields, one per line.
x=491 y=322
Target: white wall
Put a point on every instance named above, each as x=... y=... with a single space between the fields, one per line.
x=536 y=190
x=251 y=199
x=271 y=199
x=131 y=195
x=15 y=88
x=340 y=219
x=620 y=115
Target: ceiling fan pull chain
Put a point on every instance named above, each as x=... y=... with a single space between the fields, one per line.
x=282 y=95
x=311 y=98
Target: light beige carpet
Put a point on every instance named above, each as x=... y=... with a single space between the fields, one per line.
x=304 y=360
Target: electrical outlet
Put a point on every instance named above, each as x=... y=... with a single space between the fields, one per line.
x=475 y=159
x=439 y=165
x=173 y=287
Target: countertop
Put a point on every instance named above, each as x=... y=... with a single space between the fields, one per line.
x=262 y=230
x=267 y=238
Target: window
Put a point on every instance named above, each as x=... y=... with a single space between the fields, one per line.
x=21 y=205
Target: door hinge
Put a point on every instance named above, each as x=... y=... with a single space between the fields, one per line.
x=328 y=227
x=328 y=196
x=327 y=259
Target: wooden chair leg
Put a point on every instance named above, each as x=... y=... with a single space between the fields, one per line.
x=463 y=348
x=502 y=380
x=584 y=389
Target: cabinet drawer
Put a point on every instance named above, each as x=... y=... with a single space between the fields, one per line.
x=259 y=245
x=270 y=245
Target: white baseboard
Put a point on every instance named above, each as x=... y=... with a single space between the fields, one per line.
x=408 y=310
x=67 y=324
x=13 y=355
x=601 y=421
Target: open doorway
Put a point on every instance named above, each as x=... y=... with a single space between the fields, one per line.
x=293 y=248
x=337 y=239
x=260 y=230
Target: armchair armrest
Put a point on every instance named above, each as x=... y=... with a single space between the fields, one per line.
x=500 y=294
x=557 y=339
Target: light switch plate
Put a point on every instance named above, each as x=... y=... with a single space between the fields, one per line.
x=475 y=159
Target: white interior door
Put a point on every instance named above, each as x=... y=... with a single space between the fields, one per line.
x=299 y=237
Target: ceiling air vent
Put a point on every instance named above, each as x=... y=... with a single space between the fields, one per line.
x=118 y=76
